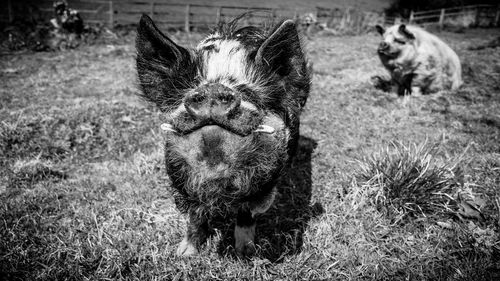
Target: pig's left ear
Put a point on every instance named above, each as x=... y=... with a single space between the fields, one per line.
x=380 y=29
x=164 y=68
x=151 y=43
x=282 y=51
x=403 y=30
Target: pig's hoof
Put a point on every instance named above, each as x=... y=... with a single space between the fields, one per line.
x=245 y=250
x=186 y=249
x=416 y=91
x=244 y=237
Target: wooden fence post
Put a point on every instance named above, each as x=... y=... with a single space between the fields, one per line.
x=476 y=16
x=152 y=10
x=410 y=20
x=497 y=17
x=186 y=20
x=9 y=8
x=111 y=14
x=218 y=16
x=441 y=19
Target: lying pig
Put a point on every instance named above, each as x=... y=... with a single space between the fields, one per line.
x=419 y=62
x=232 y=108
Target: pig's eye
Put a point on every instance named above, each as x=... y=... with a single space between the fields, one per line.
x=399 y=41
x=248 y=94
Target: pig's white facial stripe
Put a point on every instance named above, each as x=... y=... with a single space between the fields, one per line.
x=225 y=58
x=226 y=62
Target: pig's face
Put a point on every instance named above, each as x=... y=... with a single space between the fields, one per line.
x=231 y=107
x=397 y=42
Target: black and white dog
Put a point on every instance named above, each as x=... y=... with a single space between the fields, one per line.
x=232 y=108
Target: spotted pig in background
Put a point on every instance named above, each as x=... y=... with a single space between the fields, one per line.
x=231 y=108
x=419 y=62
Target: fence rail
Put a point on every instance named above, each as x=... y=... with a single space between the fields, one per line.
x=478 y=15
x=114 y=12
x=348 y=20
x=193 y=16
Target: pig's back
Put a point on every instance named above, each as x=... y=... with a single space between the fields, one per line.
x=431 y=45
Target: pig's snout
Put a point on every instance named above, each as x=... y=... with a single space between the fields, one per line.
x=383 y=46
x=212 y=100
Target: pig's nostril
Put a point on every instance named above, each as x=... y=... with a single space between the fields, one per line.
x=212 y=101
x=225 y=99
x=197 y=98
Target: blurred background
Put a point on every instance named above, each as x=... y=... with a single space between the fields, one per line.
x=45 y=24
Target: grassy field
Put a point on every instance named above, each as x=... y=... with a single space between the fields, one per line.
x=383 y=188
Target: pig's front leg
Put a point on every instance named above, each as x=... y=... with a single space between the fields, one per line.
x=244 y=233
x=196 y=235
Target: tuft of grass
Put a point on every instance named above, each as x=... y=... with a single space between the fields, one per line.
x=411 y=181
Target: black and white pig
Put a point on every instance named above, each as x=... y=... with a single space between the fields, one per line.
x=418 y=61
x=231 y=108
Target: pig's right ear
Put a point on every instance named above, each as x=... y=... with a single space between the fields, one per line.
x=151 y=43
x=282 y=51
x=403 y=30
x=164 y=68
x=380 y=29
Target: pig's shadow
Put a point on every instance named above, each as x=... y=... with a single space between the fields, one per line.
x=280 y=230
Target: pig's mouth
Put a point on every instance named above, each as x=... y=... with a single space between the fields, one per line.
x=388 y=52
x=244 y=124
x=265 y=129
x=224 y=156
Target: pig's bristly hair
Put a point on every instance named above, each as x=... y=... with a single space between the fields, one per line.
x=229 y=30
x=255 y=168
x=165 y=82
x=274 y=80
x=264 y=77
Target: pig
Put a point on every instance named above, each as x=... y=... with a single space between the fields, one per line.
x=231 y=109
x=418 y=62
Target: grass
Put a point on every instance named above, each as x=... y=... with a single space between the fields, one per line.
x=410 y=182
x=383 y=188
